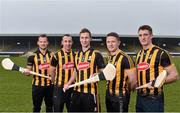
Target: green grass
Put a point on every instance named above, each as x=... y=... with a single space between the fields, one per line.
x=15 y=91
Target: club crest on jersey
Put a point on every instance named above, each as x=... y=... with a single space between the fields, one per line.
x=44 y=66
x=143 y=66
x=89 y=59
x=68 y=65
x=83 y=65
x=149 y=56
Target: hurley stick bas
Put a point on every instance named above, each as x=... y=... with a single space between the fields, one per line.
x=9 y=65
x=158 y=82
x=108 y=73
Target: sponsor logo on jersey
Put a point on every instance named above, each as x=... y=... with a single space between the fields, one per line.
x=44 y=66
x=68 y=65
x=83 y=65
x=143 y=66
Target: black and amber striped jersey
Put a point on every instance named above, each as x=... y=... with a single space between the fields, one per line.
x=87 y=63
x=149 y=64
x=40 y=64
x=64 y=63
x=120 y=84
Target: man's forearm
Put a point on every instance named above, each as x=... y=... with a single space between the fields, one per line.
x=52 y=73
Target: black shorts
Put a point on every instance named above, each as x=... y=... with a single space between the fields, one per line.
x=150 y=103
x=83 y=102
x=117 y=103
x=38 y=94
x=60 y=98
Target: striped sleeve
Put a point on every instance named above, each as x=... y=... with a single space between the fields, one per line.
x=99 y=60
x=127 y=63
x=165 y=59
x=30 y=60
x=54 y=60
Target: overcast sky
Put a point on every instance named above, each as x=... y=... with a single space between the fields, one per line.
x=100 y=16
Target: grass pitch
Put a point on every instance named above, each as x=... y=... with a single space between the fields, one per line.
x=15 y=91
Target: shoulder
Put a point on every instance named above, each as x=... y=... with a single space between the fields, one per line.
x=29 y=54
x=32 y=55
x=59 y=52
x=125 y=55
x=162 y=50
x=139 y=52
x=51 y=53
x=55 y=55
x=96 y=51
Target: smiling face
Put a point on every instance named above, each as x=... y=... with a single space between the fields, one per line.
x=85 y=40
x=42 y=43
x=112 y=44
x=145 y=38
x=67 y=43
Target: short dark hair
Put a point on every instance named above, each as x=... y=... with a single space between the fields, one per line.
x=43 y=36
x=146 y=27
x=68 y=35
x=114 y=34
x=85 y=30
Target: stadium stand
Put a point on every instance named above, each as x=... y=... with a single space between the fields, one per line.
x=128 y=44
